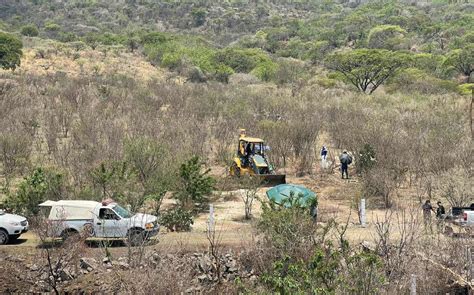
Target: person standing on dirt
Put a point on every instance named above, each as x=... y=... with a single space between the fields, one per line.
x=427 y=208
x=440 y=211
x=324 y=155
x=440 y=215
x=346 y=160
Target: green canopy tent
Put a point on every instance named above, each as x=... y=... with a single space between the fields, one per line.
x=288 y=195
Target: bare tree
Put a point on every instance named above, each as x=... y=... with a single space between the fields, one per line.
x=251 y=186
x=59 y=260
x=214 y=239
x=14 y=155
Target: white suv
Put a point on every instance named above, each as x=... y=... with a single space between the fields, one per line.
x=11 y=227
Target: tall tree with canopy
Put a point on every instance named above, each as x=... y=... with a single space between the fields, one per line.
x=367 y=69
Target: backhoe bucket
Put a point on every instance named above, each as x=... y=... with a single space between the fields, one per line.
x=273 y=179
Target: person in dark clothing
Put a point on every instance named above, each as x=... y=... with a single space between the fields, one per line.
x=427 y=208
x=248 y=153
x=440 y=211
x=346 y=160
x=324 y=152
x=440 y=216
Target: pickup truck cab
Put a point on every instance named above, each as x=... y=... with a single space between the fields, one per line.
x=11 y=227
x=463 y=219
x=100 y=220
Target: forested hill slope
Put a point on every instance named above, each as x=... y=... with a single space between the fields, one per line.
x=193 y=34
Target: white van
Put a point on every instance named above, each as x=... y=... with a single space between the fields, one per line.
x=101 y=220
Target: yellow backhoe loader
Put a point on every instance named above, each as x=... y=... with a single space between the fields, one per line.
x=251 y=160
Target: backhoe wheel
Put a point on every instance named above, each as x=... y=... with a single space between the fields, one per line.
x=3 y=237
x=235 y=170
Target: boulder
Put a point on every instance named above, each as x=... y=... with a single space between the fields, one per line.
x=205 y=264
x=88 y=263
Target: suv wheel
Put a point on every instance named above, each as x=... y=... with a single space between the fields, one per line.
x=3 y=237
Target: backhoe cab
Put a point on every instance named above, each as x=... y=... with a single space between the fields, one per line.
x=251 y=160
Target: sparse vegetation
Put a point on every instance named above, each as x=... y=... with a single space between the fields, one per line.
x=140 y=101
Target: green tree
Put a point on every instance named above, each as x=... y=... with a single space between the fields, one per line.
x=195 y=184
x=367 y=69
x=41 y=185
x=386 y=37
x=150 y=161
x=240 y=60
x=199 y=16
x=10 y=51
x=133 y=43
x=30 y=31
x=462 y=61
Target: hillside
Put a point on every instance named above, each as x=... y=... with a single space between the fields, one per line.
x=141 y=101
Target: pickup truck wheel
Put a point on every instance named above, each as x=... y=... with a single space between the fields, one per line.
x=136 y=237
x=3 y=237
x=69 y=235
x=88 y=230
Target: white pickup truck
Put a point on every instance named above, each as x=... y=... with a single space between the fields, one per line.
x=462 y=218
x=101 y=220
x=467 y=219
x=11 y=227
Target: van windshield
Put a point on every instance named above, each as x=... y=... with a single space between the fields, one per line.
x=122 y=212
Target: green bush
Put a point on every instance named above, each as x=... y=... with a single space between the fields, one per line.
x=466 y=89
x=366 y=159
x=30 y=31
x=266 y=71
x=318 y=51
x=52 y=27
x=414 y=80
x=155 y=38
x=386 y=37
x=195 y=184
x=171 y=60
x=199 y=16
x=241 y=60
x=177 y=219
x=326 y=82
x=223 y=73
x=10 y=51
x=67 y=37
x=304 y=261
x=41 y=185
x=287 y=230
